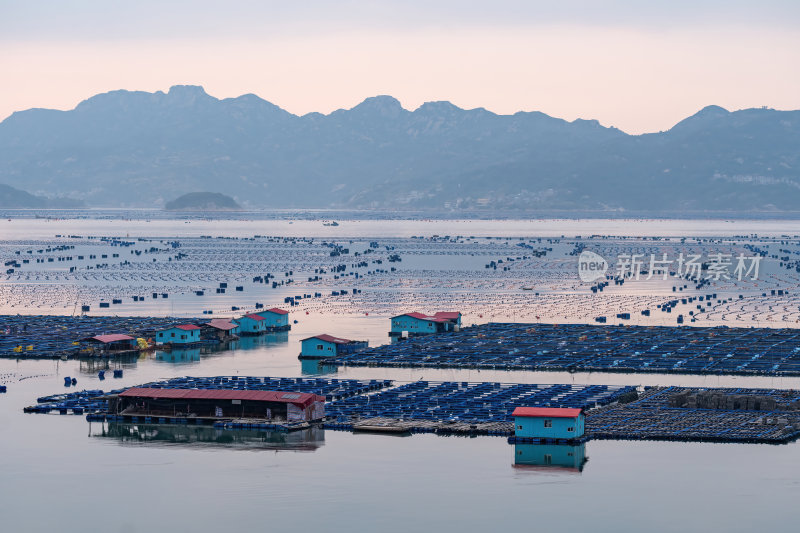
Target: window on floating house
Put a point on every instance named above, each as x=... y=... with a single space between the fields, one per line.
x=519 y=427
x=173 y=334
x=570 y=429
x=548 y=423
x=548 y=459
x=320 y=347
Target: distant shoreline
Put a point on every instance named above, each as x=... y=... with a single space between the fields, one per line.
x=327 y=214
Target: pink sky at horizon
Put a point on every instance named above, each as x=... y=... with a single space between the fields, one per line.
x=639 y=81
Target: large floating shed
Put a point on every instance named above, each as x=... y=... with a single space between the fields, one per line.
x=220 y=403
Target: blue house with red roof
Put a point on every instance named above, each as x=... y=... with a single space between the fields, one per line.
x=548 y=423
x=180 y=334
x=324 y=346
x=276 y=319
x=252 y=324
x=420 y=324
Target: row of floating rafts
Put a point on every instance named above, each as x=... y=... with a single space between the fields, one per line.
x=332 y=388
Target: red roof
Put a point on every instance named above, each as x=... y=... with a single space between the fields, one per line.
x=303 y=399
x=255 y=317
x=445 y=316
x=276 y=311
x=548 y=412
x=331 y=338
x=222 y=323
x=114 y=337
x=187 y=327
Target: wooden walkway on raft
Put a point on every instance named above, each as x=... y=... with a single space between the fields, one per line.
x=443 y=427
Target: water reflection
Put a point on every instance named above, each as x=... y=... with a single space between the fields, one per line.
x=555 y=458
x=179 y=355
x=311 y=367
x=306 y=440
x=249 y=343
x=95 y=365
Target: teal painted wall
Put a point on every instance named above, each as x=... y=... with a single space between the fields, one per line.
x=412 y=325
x=177 y=336
x=536 y=427
x=317 y=348
x=248 y=325
x=274 y=320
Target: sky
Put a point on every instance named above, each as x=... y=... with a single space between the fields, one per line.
x=641 y=66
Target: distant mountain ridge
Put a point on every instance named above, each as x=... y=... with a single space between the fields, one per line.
x=133 y=148
x=11 y=197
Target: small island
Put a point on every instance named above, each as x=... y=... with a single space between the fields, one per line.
x=203 y=201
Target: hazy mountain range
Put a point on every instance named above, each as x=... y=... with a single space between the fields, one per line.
x=143 y=149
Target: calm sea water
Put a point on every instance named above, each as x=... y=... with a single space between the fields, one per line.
x=61 y=472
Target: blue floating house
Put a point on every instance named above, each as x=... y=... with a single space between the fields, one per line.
x=276 y=319
x=323 y=346
x=252 y=324
x=181 y=334
x=412 y=324
x=548 y=423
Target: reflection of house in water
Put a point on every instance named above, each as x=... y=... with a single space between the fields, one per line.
x=251 y=342
x=179 y=355
x=306 y=440
x=96 y=364
x=550 y=457
x=313 y=367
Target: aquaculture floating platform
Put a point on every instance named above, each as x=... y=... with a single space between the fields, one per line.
x=52 y=337
x=655 y=416
x=586 y=348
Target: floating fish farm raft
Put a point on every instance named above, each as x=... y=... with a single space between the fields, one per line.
x=459 y=407
x=94 y=401
x=332 y=389
x=47 y=336
x=713 y=415
x=684 y=350
x=467 y=408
